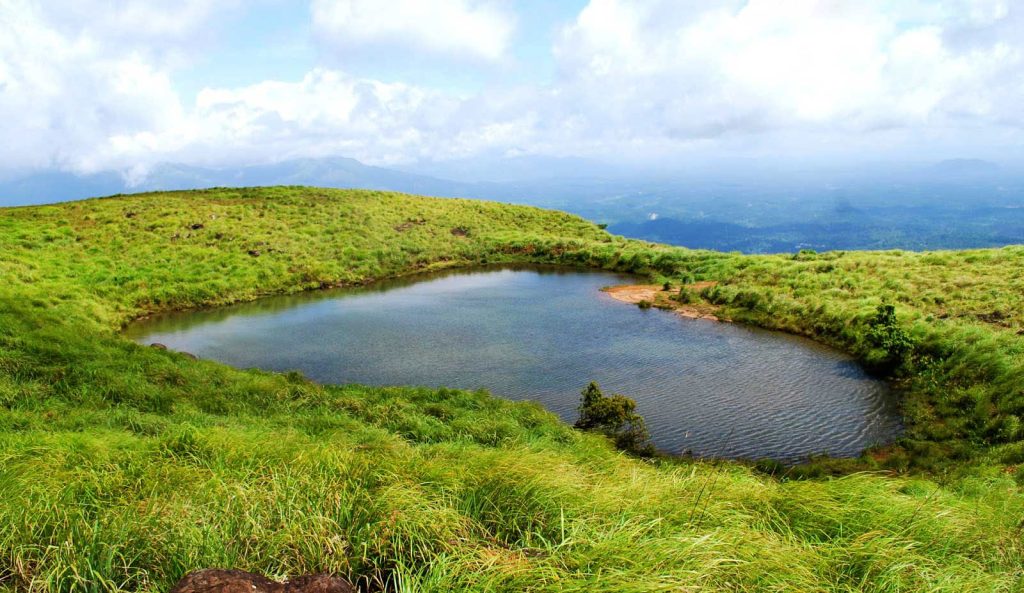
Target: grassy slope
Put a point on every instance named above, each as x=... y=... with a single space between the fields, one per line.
x=122 y=467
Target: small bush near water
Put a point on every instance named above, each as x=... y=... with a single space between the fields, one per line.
x=616 y=418
x=891 y=342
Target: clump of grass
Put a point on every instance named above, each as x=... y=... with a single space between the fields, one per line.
x=685 y=296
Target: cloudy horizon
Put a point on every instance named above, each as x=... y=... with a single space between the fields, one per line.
x=123 y=85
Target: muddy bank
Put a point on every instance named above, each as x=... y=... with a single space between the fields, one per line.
x=664 y=299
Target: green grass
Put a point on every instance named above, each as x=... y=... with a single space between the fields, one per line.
x=122 y=467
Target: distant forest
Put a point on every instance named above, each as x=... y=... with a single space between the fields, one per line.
x=915 y=228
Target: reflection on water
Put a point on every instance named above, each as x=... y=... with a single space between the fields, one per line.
x=542 y=334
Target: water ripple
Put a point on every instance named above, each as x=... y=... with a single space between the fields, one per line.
x=708 y=388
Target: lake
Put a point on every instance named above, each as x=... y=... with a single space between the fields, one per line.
x=541 y=334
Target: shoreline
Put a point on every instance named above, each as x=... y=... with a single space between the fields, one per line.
x=654 y=294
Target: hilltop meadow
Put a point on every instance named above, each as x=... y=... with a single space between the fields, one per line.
x=123 y=467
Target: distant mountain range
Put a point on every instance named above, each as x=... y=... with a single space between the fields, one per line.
x=530 y=180
x=744 y=205
x=332 y=172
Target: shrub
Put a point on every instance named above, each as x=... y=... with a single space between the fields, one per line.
x=1009 y=428
x=716 y=294
x=644 y=304
x=891 y=342
x=616 y=418
x=685 y=295
x=748 y=299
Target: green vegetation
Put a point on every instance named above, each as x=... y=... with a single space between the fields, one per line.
x=123 y=466
x=891 y=342
x=616 y=418
x=685 y=296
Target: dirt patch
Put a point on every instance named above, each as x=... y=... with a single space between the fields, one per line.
x=410 y=223
x=633 y=293
x=999 y=318
x=699 y=286
x=237 y=581
x=655 y=295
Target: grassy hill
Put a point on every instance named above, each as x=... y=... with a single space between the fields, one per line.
x=123 y=466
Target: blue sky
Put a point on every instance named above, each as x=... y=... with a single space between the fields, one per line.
x=273 y=40
x=269 y=40
x=121 y=85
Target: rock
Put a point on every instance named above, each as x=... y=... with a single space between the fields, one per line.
x=318 y=583
x=215 y=580
x=460 y=231
x=226 y=581
x=196 y=226
x=188 y=355
x=158 y=346
x=129 y=214
x=254 y=252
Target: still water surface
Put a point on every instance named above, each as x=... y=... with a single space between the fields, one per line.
x=713 y=389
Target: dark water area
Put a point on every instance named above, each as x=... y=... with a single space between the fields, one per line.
x=541 y=334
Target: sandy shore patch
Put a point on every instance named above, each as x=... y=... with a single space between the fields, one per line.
x=657 y=297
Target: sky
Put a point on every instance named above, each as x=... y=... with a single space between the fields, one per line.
x=99 y=85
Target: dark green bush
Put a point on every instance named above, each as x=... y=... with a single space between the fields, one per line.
x=891 y=343
x=616 y=418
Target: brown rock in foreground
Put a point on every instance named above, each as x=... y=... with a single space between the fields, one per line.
x=215 y=580
x=318 y=583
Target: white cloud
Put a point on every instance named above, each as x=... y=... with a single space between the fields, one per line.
x=454 y=28
x=331 y=113
x=842 y=67
x=152 y=22
x=97 y=96
x=63 y=93
x=654 y=80
x=326 y=113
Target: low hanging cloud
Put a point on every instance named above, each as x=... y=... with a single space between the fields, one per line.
x=652 y=80
x=326 y=113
